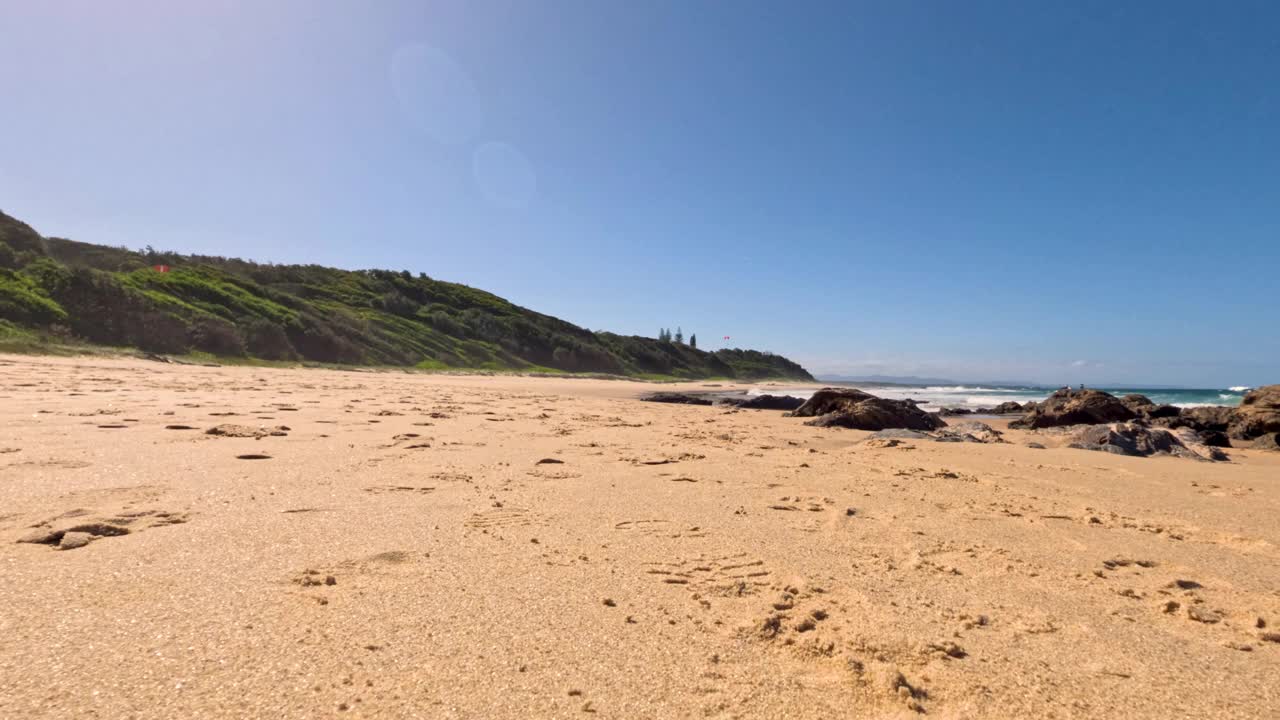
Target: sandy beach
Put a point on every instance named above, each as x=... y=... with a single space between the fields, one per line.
x=389 y=544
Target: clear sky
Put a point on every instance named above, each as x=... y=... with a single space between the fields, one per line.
x=1061 y=192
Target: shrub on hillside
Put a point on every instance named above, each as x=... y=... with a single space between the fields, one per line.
x=216 y=336
x=8 y=258
x=268 y=340
x=157 y=331
x=25 y=303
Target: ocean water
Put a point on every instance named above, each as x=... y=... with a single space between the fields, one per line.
x=935 y=397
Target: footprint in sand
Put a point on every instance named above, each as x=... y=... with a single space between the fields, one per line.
x=379 y=489
x=349 y=572
x=73 y=529
x=660 y=528
x=503 y=517
x=789 y=503
x=731 y=575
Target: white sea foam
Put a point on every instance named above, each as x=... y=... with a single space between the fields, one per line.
x=1240 y=388
x=973 y=397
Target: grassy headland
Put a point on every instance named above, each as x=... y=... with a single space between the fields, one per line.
x=60 y=295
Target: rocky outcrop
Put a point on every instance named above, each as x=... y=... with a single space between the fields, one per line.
x=1144 y=407
x=949 y=412
x=1134 y=401
x=829 y=400
x=970 y=431
x=1152 y=412
x=764 y=402
x=1141 y=441
x=1196 y=442
x=1076 y=407
x=897 y=434
x=1213 y=418
x=1258 y=414
x=858 y=410
x=974 y=432
x=1214 y=438
x=1009 y=408
x=1270 y=441
x=677 y=398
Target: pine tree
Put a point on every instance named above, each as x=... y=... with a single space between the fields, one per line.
x=679 y=336
x=693 y=341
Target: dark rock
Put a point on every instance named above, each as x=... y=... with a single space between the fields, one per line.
x=678 y=398
x=1258 y=414
x=1136 y=440
x=828 y=400
x=1076 y=407
x=1270 y=441
x=1202 y=419
x=1153 y=411
x=850 y=408
x=1134 y=401
x=1215 y=438
x=1008 y=408
x=765 y=402
x=947 y=412
x=1035 y=446
x=1145 y=408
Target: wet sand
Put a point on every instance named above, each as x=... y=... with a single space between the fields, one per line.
x=387 y=544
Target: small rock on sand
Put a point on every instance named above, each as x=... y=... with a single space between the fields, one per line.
x=1203 y=615
x=73 y=540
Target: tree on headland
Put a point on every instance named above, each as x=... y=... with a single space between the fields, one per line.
x=679 y=336
x=693 y=341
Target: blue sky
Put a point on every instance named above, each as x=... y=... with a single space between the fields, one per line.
x=1061 y=192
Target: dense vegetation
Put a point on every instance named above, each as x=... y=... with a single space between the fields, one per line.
x=236 y=308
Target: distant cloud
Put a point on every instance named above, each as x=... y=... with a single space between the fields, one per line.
x=1080 y=363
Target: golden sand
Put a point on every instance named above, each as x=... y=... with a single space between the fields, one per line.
x=386 y=544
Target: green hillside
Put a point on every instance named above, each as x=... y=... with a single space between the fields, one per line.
x=228 y=307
